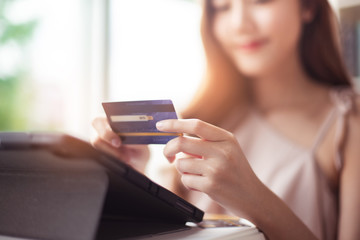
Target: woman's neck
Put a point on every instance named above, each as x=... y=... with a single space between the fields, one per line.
x=285 y=88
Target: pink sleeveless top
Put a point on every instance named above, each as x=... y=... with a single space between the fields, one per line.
x=291 y=171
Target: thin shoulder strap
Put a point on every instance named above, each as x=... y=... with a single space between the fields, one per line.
x=330 y=119
x=343 y=99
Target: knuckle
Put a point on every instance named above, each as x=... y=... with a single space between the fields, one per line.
x=209 y=185
x=211 y=171
x=180 y=141
x=214 y=187
x=171 y=148
x=166 y=150
x=178 y=165
x=228 y=151
x=176 y=144
x=231 y=137
x=101 y=126
x=185 y=180
x=214 y=172
x=97 y=121
x=173 y=124
x=197 y=125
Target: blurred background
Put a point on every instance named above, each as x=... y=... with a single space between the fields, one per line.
x=60 y=59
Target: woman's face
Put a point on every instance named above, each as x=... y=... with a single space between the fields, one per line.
x=260 y=36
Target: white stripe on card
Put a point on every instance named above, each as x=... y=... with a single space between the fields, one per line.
x=131 y=118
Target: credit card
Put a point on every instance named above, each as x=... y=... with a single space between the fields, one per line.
x=135 y=121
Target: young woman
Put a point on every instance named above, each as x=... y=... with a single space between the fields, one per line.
x=273 y=133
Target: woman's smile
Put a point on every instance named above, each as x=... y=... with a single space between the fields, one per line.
x=251 y=45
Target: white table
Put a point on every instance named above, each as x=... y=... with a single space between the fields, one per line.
x=226 y=233
x=233 y=233
x=241 y=230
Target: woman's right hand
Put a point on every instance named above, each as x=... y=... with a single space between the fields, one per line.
x=109 y=142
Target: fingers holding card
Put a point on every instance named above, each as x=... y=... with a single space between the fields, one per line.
x=135 y=121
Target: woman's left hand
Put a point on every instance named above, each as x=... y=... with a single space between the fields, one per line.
x=214 y=163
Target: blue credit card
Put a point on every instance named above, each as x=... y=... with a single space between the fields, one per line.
x=135 y=121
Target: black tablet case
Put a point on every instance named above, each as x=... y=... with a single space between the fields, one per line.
x=54 y=186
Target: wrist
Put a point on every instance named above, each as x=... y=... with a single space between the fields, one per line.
x=275 y=219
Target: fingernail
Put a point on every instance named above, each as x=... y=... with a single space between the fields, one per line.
x=159 y=125
x=115 y=142
x=171 y=159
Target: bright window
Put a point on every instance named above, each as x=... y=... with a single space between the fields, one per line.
x=43 y=66
x=155 y=50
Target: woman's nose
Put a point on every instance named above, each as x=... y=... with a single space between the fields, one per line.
x=241 y=20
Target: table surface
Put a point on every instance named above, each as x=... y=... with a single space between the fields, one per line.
x=214 y=227
x=218 y=233
x=238 y=233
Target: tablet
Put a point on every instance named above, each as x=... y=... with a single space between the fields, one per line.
x=57 y=178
